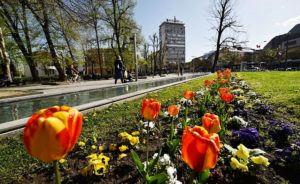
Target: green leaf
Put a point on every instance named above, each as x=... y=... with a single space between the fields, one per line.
x=203 y=176
x=137 y=162
x=157 y=179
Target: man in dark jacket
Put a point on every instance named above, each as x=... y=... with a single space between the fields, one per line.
x=118 y=69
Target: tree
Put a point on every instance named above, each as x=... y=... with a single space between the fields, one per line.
x=4 y=57
x=118 y=15
x=40 y=11
x=224 y=20
x=15 y=18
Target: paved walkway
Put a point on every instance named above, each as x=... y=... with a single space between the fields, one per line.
x=62 y=87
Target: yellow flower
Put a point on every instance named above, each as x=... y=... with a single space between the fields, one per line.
x=122 y=155
x=134 y=140
x=81 y=144
x=101 y=148
x=243 y=167
x=92 y=156
x=94 y=147
x=125 y=136
x=242 y=152
x=94 y=115
x=112 y=147
x=62 y=161
x=104 y=159
x=135 y=133
x=260 y=160
x=123 y=148
x=234 y=163
x=99 y=169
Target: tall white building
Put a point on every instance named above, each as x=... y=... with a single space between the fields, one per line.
x=172 y=41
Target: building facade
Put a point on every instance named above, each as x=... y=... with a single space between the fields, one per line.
x=172 y=42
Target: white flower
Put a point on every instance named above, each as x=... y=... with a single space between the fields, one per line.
x=241 y=102
x=201 y=92
x=183 y=101
x=243 y=83
x=251 y=94
x=179 y=125
x=151 y=124
x=172 y=172
x=165 y=160
x=166 y=114
x=239 y=120
x=155 y=155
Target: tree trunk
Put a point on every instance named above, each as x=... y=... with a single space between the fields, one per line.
x=46 y=30
x=4 y=57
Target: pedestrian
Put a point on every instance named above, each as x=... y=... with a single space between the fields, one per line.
x=118 y=69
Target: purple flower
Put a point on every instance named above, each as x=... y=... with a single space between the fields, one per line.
x=235 y=133
x=287 y=130
x=298 y=143
x=239 y=112
x=285 y=153
x=249 y=136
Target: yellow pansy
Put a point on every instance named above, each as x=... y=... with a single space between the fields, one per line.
x=92 y=156
x=94 y=147
x=112 y=147
x=81 y=144
x=122 y=155
x=104 y=159
x=101 y=148
x=260 y=160
x=123 y=148
x=242 y=152
x=234 y=163
x=243 y=167
x=135 y=133
x=62 y=161
x=134 y=140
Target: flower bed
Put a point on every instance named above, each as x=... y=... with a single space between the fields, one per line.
x=222 y=133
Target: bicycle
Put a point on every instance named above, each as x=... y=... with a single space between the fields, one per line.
x=73 y=79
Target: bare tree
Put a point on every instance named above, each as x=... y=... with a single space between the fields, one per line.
x=224 y=20
x=154 y=40
x=4 y=57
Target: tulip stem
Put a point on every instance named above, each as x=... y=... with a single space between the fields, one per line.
x=147 y=146
x=56 y=171
x=192 y=176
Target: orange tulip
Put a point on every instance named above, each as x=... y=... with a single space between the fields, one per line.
x=219 y=74
x=189 y=95
x=224 y=81
x=199 y=148
x=227 y=97
x=173 y=110
x=211 y=123
x=150 y=109
x=208 y=83
x=227 y=73
x=51 y=133
x=223 y=90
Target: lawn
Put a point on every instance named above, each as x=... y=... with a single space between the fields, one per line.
x=279 y=88
x=104 y=126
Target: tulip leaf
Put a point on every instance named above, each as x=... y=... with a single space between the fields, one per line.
x=157 y=179
x=203 y=176
x=137 y=162
x=153 y=162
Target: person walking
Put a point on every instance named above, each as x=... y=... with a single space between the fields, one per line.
x=118 y=69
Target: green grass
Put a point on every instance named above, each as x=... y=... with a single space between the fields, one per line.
x=279 y=88
x=103 y=125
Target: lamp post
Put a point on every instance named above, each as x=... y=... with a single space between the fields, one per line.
x=135 y=58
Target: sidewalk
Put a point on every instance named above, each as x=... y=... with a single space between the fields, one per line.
x=62 y=87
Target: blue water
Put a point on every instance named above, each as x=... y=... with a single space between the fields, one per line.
x=22 y=109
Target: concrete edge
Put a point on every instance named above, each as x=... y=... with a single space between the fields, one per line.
x=12 y=127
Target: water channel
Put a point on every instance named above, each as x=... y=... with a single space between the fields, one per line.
x=25 y=108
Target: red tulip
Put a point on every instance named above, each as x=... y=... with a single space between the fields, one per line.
x=199 y=148
x=150 y=109
x=227 y=97
x=173 y=110
x=189 y=95
x=219 y=74
x=224 y=81
x=211 y=123
x=208 y=83
x=51 y=133
x=223 y=90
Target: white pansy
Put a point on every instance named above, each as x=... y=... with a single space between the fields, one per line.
x=154 y=156
x=251 y=94
x=172 y=172
x=165 y=160
x=179 y=125
x=151 y=124
x=166 y=114
x=239 y=120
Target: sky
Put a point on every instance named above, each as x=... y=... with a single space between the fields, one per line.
x=261 y=20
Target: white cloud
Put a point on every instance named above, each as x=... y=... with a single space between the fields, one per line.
x=290 y=22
